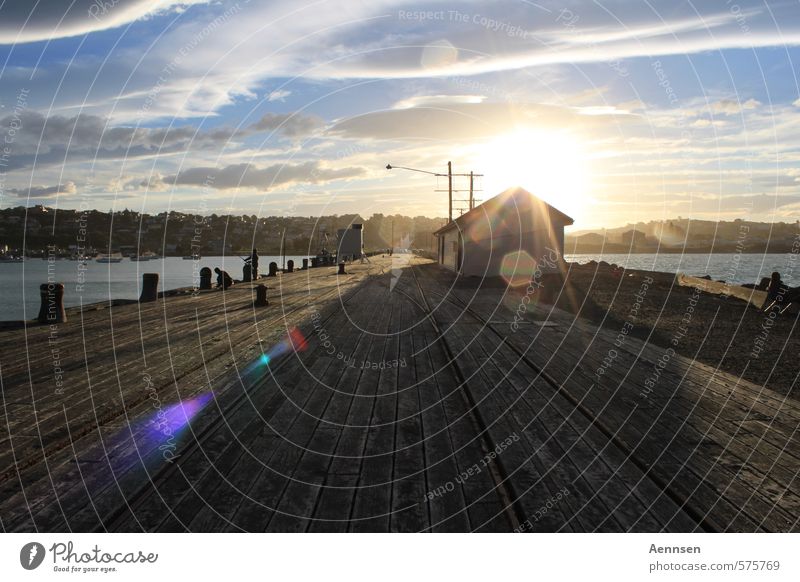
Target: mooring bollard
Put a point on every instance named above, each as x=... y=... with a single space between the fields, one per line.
x=149 y=288
x=290 y=266
x=305 y=264
x=205 y=278
x=273 y=269
x=261 y=296
x=246 y=273
x=341 y=269
x=52 y=307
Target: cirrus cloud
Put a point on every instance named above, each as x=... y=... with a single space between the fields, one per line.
x=25 y=21
x=249 y=176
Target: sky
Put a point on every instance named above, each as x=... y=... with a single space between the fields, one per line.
x=612 y=111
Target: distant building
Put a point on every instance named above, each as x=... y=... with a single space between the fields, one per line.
x=633 y=238
x=513 y=228
x=590 y=239
x=350 y=241
x=669 y=233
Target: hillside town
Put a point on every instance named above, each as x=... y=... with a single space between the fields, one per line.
x=34 y=231
x=685 y=235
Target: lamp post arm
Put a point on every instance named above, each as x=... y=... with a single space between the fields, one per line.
x=391 y=167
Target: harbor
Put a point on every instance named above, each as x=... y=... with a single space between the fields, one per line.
x=396 y=396
x=274 y=268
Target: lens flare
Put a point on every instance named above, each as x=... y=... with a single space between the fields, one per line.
x=294 y=341
x=517 y=268
x=181 y=413
x=168 y=422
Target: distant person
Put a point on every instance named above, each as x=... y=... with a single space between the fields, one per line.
x=223 y=279
x=775 y=291
x=774 y=287
x=254 y=264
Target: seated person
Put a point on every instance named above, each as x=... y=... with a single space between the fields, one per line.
x=223 y=279
x=775 y=287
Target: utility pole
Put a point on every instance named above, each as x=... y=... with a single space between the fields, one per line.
x=471 y=198
x=450 y=190
x=392 y=243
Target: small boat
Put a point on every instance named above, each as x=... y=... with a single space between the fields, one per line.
x=139 y=258
x=10 y=259
x=112 y=258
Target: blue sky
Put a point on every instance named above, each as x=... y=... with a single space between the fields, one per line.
x=612 y=111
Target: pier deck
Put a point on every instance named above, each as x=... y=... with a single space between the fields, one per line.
x=393 y=398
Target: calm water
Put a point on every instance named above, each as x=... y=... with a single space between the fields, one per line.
x=19 y=282
x=733 y=268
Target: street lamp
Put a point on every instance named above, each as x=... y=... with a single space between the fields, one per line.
x=391 y=167
x=449 y=175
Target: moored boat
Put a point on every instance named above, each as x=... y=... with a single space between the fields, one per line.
x=112 y=258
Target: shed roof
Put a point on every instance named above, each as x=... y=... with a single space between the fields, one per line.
x=514 y=197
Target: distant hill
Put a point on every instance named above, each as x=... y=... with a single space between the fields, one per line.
x=88 y=232
x=688 y=235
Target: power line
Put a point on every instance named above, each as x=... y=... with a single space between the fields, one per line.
x=450 y=175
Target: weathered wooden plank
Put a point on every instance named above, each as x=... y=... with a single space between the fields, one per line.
x=409 y=512
x=683 y=429
x=372 y=504
x=297 y=429
x=297 y=505
x=448 y=513
x=335 y=503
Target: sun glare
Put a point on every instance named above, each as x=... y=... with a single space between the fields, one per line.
x=550 y=164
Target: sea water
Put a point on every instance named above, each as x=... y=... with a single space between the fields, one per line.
x=736 y=268
x=93 y=282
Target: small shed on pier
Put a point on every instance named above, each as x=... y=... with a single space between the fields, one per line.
x=497 y=236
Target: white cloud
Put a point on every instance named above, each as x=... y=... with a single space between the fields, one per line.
x=289 y=124
x=437 y=100
x=39 y=192
x=733 y=107
x=46 y=141
x=463 y=121
x=252 y=177
x=24 y=21
x=278 y=95
x=343 y=39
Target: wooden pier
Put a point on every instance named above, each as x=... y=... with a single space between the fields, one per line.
x=394 y=397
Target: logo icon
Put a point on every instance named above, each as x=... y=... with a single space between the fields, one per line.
x=31 y=555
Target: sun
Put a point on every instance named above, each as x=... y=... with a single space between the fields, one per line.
x=550 y=164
